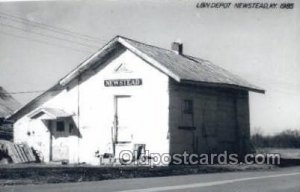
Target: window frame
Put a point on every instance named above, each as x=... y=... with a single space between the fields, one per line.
x=188 y=106
x=187 y=112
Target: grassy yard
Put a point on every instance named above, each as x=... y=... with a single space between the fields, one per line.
x=11 y=174
x=41 y=173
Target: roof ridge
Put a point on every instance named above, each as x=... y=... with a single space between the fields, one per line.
x=136 y=41
x=193 y=58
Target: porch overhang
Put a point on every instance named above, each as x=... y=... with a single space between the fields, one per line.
x=50 y=114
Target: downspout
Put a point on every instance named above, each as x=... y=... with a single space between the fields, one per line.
x=78 y=117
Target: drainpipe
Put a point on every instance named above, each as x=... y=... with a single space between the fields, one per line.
x=78 y=117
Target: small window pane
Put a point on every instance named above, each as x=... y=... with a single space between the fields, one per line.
x=188 y=107
x=60 y=126
x=187 y=115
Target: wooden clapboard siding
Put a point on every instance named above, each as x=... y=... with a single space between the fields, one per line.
x=221 y=118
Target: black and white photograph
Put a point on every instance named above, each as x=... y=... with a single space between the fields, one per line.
x=149 y=96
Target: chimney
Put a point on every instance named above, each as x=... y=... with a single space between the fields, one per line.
x=177 y=47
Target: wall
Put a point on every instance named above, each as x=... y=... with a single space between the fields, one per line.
x=35 y=133
x=220 y=120
x=93 y=107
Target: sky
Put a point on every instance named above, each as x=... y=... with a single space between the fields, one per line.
x=41 y=41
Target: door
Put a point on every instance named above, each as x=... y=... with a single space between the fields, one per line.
x=123 y=123
x=59 y=149
x=228 y=133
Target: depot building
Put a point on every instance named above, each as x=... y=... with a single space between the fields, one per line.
x=130 y=95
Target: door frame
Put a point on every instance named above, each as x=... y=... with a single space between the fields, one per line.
x=52 y=126
x=115 y=121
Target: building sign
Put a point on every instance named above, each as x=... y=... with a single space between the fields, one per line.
x=122 y=82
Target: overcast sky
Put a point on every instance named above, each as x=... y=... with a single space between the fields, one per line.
x=262 y=46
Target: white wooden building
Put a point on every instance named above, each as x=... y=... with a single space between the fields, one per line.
x=130 y=94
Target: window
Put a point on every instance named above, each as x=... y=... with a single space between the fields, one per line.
x=188 y=106
x=187 y=115
x=60 y=126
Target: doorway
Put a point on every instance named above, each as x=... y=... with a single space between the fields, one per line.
x=59 y=132
x=123 y=118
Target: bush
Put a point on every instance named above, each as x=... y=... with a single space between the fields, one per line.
x=284 y=139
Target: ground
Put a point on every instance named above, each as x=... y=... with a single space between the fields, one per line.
x=278 y=180
x=41 y=174
x=19 y=174
x=287 y=153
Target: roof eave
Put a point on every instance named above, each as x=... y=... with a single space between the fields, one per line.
x=68 y=78
x=224 y=85
x=15 y=115
x=65 y=80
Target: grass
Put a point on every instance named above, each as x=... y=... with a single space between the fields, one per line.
x=13 y=174
x=42 y=173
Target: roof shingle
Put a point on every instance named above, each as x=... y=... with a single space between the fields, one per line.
x=190 y=68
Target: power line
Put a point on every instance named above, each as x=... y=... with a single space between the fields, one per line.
x=49 y=27
x=44 y=42
x=49 y=36
x=30 y=92
x=54 y=90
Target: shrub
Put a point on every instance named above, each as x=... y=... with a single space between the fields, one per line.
x=284 y=139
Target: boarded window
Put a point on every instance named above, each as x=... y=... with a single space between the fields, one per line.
x=187 y=114
x=60 y=126
x=188 y=106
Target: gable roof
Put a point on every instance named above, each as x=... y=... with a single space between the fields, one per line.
x=8 y=105
x=53 y=113
x=180 y=67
